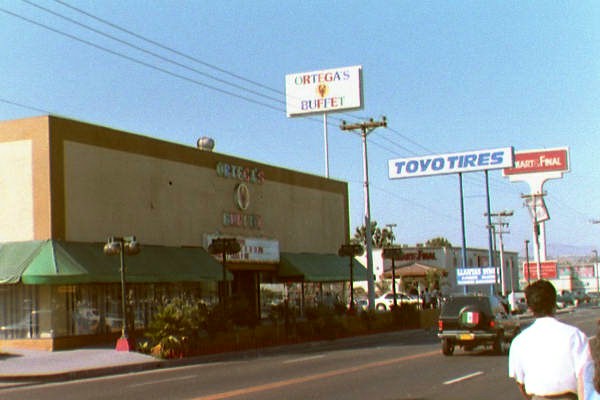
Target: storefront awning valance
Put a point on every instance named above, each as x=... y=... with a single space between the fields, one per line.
x=58 y=262
x=312 y=267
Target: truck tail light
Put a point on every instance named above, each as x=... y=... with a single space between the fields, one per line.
x=440 y=325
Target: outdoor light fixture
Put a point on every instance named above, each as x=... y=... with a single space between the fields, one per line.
x=351 y=250
x=130 y=246
x=224 y=246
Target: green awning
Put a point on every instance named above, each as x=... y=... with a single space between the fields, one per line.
x=311 y=267
x=15 y=258
x=57 y=262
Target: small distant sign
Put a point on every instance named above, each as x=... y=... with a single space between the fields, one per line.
x=476 y=276
x=323 y=91
x=536 y=161
x=548 y=270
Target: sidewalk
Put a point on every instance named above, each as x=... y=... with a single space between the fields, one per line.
x=23 y=364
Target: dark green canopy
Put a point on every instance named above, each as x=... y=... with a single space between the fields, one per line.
x=58 y=262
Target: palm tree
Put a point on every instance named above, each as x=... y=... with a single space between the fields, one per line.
x=438 y=242
x=379 y=237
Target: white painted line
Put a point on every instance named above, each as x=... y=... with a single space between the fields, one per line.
x=463 y=378
x=303 y=359
x=179 y=378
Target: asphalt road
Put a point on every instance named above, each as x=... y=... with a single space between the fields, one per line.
x=406 y=365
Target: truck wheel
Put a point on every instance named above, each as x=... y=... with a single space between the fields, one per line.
x=447 y=347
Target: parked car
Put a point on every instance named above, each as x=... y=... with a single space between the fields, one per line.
x=386 y=301
x=476 y=320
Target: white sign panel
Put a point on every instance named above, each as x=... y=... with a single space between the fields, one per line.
x=253 y=250
x=323 y=91
x=476 y=276
x=537 y=208
x=454 y=163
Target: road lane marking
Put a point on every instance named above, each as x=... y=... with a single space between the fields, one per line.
x=313 y=377
x=297 y=360
x=161 y=381
x=463 y=378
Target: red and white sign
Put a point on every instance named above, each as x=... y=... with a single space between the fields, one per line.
x=534 y=161
x=548 y=270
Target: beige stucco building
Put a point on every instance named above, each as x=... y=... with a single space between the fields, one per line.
x=66 y=186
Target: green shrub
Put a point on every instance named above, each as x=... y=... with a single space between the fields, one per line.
x=175 y=327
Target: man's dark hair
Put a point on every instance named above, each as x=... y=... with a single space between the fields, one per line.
x=541 y=297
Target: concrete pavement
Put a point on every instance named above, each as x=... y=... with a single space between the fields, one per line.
x=22 y=364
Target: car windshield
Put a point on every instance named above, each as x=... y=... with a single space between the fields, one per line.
x=455 y=304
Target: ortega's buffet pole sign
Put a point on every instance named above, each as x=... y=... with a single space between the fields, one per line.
x=325 y=91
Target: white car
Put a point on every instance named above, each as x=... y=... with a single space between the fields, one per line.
x=386 y=301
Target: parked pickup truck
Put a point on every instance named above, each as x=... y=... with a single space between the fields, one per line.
x=475 y=320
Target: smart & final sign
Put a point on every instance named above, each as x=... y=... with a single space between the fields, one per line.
x=323 y=91
x=535 y=161
x=450 y=163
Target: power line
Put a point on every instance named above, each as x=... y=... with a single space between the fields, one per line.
x=194 y=81
x=172 y=50
x=146 y=51
x=140 y=62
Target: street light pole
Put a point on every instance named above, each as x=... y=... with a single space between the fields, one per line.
x=365 y=128
x=120 y=246
x=224 y=246
x=351 y=251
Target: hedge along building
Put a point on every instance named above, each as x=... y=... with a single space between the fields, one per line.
x=68 y=185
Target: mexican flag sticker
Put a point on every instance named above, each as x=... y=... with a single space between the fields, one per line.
x=470 y=317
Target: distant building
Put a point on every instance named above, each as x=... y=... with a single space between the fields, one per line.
x=447 y=260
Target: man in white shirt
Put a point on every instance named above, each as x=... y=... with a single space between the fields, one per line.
x=548 y=358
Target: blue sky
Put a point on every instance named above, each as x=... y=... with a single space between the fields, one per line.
x=449 y=76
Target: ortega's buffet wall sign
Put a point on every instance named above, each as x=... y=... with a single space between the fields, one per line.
x=245 y=177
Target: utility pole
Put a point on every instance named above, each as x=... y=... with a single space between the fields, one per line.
x=498 y=227
x=365 y=129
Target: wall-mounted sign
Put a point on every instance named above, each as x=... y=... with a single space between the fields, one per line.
x=323 y=91
x=450 y=163
x=476 y=276
x=535 y=161
x=240 y=220
x=242 y=196
x=243 y=174
x=253 y=250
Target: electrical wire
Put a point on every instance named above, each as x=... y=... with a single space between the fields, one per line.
x=194 y=81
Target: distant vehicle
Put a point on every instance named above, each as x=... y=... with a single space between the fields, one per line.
x=386 y=301
x=361 y=304
x=473 y=320
x=565 y=299
x=517 y=302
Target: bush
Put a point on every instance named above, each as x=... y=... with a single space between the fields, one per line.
x=175 y=328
